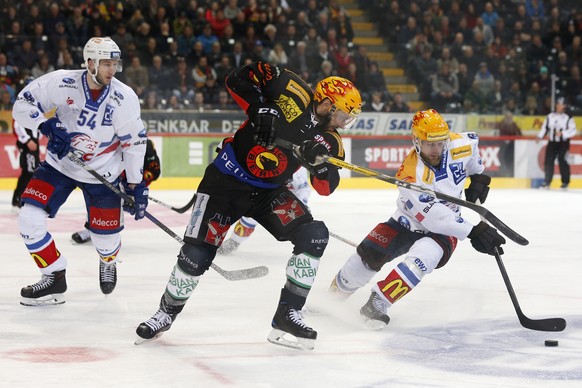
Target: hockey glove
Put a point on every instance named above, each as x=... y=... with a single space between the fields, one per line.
x=310 y=150
x=478 y=188
x=59 y=140
x=264 y=119
x=485 y=239
x=140 y=198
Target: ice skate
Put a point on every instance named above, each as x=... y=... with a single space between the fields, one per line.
x=49 y=290
x=81 y=237
x=374 y=312
x=290 y=330
x=154 y=327
x=228 y=246
x=107 y=277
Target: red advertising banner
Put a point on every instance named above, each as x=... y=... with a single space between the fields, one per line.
x=9 y=155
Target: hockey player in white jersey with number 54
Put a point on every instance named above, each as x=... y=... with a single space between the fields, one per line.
x=423 y=229
x=95 y=115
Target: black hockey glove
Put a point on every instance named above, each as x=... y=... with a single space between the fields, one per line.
x=484 y=239
x=478 y=188
x=310 y=150
x=264 y=119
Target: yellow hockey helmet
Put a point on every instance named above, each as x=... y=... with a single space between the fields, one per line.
x=344 y=96
x=429 y=125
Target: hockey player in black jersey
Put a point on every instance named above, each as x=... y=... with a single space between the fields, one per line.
x=248 y=178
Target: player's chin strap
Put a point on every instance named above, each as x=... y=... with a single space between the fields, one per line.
x=482 y=211
x=240 y=274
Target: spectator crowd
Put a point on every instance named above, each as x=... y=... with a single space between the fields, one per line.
x=464 y=56
x=486 y=57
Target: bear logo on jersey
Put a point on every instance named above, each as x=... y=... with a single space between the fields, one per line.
x=265 y=164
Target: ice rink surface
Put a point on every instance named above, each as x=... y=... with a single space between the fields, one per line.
x=457 y=328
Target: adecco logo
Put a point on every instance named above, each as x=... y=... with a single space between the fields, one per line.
x=574 y=159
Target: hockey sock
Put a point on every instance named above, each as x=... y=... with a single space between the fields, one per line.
x=354 y=274
x=301 y=270
x=181 y=285
x=40 y=243
x=401 y=280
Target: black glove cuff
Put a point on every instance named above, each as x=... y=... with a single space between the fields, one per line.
x=481 y=178
x=477 y=230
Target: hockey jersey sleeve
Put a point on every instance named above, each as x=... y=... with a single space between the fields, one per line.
x=474 y=163
x=33 y=105
x=132 y=134
x=151 y=164
x=325 y=177
x=249 y=85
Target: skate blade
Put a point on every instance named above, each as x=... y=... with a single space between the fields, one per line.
x=373 y=324
x=277 y=337
x=139 y=340
x=47 y=300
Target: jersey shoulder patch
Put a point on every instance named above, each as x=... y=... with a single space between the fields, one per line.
x=407 y=170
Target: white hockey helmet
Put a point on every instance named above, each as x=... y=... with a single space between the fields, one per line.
x=99 y=48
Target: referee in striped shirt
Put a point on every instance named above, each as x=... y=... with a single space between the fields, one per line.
x=560 y=127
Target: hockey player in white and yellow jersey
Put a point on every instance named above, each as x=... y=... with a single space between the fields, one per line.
x=423 y=229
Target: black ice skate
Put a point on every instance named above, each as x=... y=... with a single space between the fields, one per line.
x=374 y=312
x=154 y=327
x=49 y=290
x=107 y=277
x=81 y=237
x=288 y=322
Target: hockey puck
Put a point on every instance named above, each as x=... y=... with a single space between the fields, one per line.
x=551 y=343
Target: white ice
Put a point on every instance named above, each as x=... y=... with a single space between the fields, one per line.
x=457 y=328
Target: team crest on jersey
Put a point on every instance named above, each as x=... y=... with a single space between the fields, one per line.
x=216 y=230
x=108 y=115
x=264 y=164
x=287 y=209
x=458 y=172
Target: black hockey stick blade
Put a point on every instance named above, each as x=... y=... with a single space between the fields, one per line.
x=180 y=210
x=243 y=274
x=546 y=324
x=483 y=212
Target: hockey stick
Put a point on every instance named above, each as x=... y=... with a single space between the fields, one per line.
x=240 y=274
x=482 y=211
x=547 y=324
x=337 y=236
x=180 y=210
